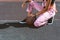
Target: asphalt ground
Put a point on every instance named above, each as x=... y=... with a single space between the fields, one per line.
x=16 y=31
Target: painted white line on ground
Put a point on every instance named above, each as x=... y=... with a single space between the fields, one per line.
x=56 y=19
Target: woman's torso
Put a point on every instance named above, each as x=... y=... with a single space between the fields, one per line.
x=52 y=6
x=39 y=7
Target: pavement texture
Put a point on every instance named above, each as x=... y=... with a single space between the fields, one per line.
x=16 y=31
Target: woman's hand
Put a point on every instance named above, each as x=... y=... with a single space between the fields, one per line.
x=31 y=15
x=37 y=14
x=23 y=5
x=40 y=12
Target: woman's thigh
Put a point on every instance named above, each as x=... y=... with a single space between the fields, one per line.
x=45 y=16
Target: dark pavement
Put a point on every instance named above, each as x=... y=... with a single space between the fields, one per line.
x=15 y=31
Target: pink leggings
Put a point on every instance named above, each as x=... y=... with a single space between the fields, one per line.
x=42 y=19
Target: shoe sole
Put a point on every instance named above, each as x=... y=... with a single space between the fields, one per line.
x=22 y=22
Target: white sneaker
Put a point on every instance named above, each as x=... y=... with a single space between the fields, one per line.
x=22 y=22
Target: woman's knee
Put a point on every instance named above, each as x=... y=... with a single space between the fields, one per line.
x=36 y=24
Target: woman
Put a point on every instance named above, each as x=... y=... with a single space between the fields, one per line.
x=30 y=8
x=44 y=13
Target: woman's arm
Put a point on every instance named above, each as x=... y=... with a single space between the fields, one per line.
x=29 y=8
x=24 y=3
x=44 y=9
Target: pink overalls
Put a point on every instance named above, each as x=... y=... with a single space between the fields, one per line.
x=42 y=19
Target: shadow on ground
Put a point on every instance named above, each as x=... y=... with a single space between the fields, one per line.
x=16 y=25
